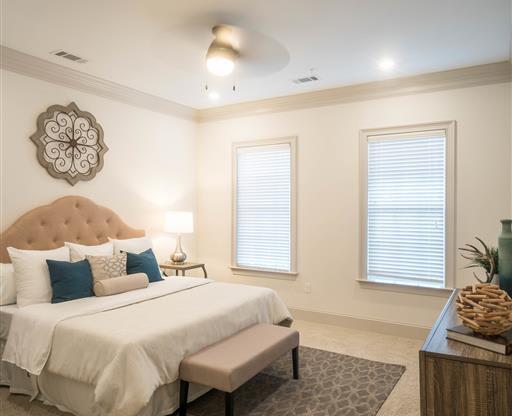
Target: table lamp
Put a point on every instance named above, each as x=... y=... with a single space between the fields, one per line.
x=179 y=222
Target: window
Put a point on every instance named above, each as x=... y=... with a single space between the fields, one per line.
x=408 y=196
x=264 y=206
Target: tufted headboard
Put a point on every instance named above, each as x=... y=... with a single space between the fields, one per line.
x=71 y=218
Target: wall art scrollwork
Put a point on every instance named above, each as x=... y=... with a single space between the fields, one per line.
x=69 y=143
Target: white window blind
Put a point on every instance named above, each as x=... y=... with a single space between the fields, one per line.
x=263 y=207
x=406 y=207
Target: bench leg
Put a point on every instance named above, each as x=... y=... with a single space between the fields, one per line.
x=230 y=405
x=183 y=397
x=295 y=360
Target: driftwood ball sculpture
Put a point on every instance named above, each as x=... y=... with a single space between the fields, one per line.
x=485 y=308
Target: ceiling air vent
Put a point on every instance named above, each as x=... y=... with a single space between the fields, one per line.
x=305 y=79
x=70 y=56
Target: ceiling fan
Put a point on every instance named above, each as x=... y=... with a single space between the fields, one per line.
x=250 y=53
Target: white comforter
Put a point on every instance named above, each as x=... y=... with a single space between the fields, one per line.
x=128 y=345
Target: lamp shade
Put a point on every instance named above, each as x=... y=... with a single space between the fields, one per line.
x=179 y=222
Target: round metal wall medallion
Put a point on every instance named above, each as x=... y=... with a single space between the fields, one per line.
x=69 y=143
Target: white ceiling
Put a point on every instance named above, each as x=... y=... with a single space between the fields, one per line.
x=158 y=46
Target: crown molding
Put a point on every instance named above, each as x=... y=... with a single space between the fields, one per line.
x=24 y=64
x=494 y=73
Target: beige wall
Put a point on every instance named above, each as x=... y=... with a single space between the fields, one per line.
x=157 y=162
x=149 y=168
x=328 y=193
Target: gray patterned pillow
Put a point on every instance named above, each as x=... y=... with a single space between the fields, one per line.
x=106 y=267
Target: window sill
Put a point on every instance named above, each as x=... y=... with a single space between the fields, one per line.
x=441 y=292
x=273 y=274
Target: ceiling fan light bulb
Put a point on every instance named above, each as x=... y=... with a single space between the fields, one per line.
x=220 y=66
x=220 y=59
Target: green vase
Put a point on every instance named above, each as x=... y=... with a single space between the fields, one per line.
x=505 y=256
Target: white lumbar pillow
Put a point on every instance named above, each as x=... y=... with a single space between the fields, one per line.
x=7 y=284
x=78 y=252
x=132 y=245
x=31 y=273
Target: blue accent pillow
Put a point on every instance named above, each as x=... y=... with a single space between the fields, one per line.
x=70 y=280
x=144 y=262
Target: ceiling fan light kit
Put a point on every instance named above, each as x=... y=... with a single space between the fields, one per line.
x=221 y=55
x=220 y=61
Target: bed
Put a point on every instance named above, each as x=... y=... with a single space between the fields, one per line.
x=118 y=354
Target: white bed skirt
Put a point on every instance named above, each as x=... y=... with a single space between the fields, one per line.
x=78 y=398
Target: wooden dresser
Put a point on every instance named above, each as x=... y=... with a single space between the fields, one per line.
x=457 y=379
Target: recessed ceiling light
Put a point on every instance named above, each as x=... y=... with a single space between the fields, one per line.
x=386 y=64
x=213 y=95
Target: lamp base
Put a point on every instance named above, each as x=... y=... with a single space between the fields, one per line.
x=178 y=257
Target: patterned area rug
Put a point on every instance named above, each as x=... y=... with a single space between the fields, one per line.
x=331 y=384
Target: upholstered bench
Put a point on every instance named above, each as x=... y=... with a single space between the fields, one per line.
x=231 y=362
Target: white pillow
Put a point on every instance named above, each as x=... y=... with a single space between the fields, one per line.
x=7 y=284
x=31 y=273
x=132 y=245
x=78 y=252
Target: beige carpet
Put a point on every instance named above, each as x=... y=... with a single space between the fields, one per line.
x=403 y=400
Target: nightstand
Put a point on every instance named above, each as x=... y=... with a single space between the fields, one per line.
x=183 y=267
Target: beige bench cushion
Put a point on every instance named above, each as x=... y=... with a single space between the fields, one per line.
x=230 y=363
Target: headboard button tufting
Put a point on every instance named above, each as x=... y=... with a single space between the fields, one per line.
x=47 y=227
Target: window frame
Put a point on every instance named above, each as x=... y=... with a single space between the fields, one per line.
x=450 y=197
x=256 y=271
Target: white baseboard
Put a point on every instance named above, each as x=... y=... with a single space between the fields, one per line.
x=364 y=324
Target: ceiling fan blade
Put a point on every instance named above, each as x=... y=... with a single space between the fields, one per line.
x=259 y=54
